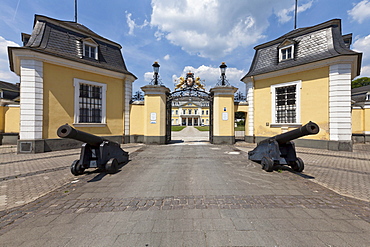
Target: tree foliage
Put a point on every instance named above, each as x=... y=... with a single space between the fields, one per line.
x=360 y=82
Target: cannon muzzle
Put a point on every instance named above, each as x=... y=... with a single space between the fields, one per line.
x=309 y=129
x=67 y=131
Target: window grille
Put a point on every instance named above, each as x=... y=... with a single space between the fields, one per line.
x=90 y=104
x=286 y=104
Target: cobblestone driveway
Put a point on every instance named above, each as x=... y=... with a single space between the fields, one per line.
x=189 y=195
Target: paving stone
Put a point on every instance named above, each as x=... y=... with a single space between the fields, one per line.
x=187 y=195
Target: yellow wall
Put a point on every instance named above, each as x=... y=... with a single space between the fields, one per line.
x=2 y=119
x=241 y=108
x=367 y=120
x=358 y=121
x=223 y=127
x=314 y=102
x=137 y=119
x=12 y=115
x=59 y=101
x=155 y=104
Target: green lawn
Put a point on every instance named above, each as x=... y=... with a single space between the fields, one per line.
x=177 y=128
x=202 y=128
x=240 y=128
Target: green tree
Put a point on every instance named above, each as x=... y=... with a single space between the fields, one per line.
x=360 y=82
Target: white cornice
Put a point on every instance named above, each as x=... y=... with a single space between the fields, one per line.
x=230 y=90
x=155 y=89
x=310 y=66
x=26 y=54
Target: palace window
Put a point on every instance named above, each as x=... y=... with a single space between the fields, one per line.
x=286 y=103
x=195 y=112
x=90 y=49
x=286 y=53
x=183 y=111
x=286 y=50
x=207 y=112
x=177 y=112
x=189 y=111
x=90 y=102
x=202 y=112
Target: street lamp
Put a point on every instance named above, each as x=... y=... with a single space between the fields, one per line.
x=223 y=67
x=156 y=70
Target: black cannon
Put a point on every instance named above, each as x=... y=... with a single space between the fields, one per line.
x=280 y=150
x=96 y=152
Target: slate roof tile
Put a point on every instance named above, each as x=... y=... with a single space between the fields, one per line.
x=65 y=39
x=312 y=44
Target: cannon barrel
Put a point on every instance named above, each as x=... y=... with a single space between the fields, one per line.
x=67 y=131
x=310 y=128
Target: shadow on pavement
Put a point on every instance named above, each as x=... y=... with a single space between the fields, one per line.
x=102 y=174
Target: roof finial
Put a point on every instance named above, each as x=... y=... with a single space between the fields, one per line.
x=76 y=11
x=295 y=14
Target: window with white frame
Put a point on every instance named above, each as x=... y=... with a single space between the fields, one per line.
x=90 y=102
x=90 y=49
x=286 y=103
x=286 y=53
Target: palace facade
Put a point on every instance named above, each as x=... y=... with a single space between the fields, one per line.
x=190 y=112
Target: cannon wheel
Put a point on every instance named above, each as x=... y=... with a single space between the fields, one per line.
x=299 y=165
x=76 y=168
x=267 y=164
x=111 y=166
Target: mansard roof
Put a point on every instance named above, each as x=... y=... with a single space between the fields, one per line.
x=312 y=44
x=64 y=39
x=10 y=90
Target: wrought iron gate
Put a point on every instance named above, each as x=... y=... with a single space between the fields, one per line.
x=188 y=93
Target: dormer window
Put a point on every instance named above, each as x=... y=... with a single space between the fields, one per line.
x=286 y=53
x=286 y=50
x=90 y=49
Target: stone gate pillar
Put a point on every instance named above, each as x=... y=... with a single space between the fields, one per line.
x=223 y=115
x=155 y=114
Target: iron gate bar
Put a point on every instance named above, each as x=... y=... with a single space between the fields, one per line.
x=190 y=93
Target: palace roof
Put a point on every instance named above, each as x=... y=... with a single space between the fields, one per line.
x=9 y=91
x=65 y=39
x=311 y=44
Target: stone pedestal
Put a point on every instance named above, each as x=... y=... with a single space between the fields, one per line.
x=223 y=115
x=155 y=114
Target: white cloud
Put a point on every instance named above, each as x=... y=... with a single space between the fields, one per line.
x=5 y=73
x=167 y=57
x=148 y=76
x=286 y=15
x=365 y=71
x=214 y=28
x=363 y=45
x=360 y=11
x=211 y=75
x=132 y=24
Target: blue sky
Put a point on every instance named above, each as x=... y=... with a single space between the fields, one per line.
x=183 y=35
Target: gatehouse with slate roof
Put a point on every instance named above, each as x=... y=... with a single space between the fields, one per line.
x=304 y=75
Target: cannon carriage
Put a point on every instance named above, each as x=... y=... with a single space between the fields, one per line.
x=96 y=152
x=280 y=149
